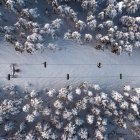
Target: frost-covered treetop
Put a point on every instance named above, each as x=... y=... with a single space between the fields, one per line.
x=83 y=112
x=116 y=22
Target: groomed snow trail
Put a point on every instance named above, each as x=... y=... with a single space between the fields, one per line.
x=54 y=76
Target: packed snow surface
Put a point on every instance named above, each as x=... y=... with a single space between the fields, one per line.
x=79 y=61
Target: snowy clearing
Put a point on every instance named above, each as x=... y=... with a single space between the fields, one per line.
x=69 y=55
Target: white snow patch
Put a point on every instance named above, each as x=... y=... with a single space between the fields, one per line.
x=54 y=76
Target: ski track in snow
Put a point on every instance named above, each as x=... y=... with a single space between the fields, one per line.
x=71 y=53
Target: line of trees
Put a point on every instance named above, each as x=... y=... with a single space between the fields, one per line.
x=117 y=23
x=85 y=112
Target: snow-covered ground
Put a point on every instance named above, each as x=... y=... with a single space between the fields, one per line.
x=78 y=61
x=39 y=103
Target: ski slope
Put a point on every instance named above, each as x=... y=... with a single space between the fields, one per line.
x=79 y=61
